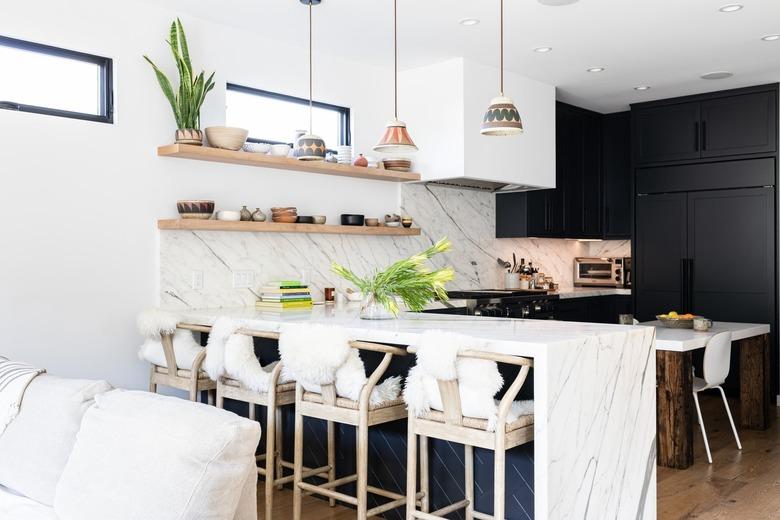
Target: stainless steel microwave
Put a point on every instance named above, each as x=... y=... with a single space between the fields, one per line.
x=601 y=272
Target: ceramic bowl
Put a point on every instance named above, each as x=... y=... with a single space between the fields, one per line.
x=400 y=165
x=392 y=224
x=198 y=209
x=352 y=220
x=282 y=150
x=305 y=220
x=406 y=221
x=229 y=215
x=372 y=222
x=320 y=219
x=256 y=147
x=355 y=296
x=291 y=219
x=226 y=137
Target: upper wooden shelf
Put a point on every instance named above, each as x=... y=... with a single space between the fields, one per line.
x=205 y=153
x=278 y=227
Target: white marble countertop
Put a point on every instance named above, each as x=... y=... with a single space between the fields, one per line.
x=505 y=335
x=566 y=293
x=683 y=340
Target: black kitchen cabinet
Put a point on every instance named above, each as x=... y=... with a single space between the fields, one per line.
x=616 y=167
x=729 y=123
x=594 y=309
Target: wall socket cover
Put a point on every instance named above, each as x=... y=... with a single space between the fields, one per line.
x=243 y=279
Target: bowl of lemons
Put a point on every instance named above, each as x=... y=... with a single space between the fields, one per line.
x=674 y=320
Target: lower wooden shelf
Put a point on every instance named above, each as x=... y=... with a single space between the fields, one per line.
x=278 y=227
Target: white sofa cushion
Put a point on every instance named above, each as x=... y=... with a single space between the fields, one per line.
x=17 y=507
x=140 y=456
x=36 y=445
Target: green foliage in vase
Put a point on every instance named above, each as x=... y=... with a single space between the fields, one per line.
x=185 y=102
x=408 y=279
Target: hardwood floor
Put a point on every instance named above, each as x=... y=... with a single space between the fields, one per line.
x=739 y=485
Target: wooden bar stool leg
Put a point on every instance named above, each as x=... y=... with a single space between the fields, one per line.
x=270 y=462
x=279 y=446
x=362 y=466
x=298 y=457
x=152 y=384
x=332 y=456
x=499 y=474
x=411 y=469
x=252 y=411
x=220 y=398
x=194 y=391
x=468 y=459
x=424 y=475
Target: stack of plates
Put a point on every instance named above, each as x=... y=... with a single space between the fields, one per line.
x=398 y=164
x=287 y=215
x=344 y=154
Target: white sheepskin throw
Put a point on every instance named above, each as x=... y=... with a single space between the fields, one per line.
x=242 y=364
x=214 y=364
x=152 y=324
x=478 y=380
x=316 y=355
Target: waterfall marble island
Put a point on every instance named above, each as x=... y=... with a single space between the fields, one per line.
x=593 y=385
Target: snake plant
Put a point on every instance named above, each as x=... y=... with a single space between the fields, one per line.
x=187 y=101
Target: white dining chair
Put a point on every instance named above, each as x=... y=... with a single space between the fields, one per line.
x=717 y=361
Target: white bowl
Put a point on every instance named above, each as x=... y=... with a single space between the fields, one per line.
x=256 y=147
x=229 y=215
x=226 y=137
x=281 y=150
x=355 y=296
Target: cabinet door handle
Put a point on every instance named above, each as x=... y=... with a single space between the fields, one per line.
x=696 y=136
x=704 y=135
x=690 y=285
x=683 y=284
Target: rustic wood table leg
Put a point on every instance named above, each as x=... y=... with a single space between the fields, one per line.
x=755 y=387
x=675 y=409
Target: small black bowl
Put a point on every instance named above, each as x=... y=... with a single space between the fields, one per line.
x=305 y=220
x=352 y=220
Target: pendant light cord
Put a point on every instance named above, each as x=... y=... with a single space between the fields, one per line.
x=501 y=73
x=311 y=81
x=395 y=55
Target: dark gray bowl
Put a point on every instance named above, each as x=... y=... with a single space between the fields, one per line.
x=305 y=220
x=352 y=220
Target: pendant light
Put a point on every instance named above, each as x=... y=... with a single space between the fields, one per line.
x=396 y=139
x=502 y=117
x=310 y=147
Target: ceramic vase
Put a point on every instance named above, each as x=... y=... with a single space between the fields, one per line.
x=361 y=161
x=258 y=216
x=372 y=309
x=246 y=215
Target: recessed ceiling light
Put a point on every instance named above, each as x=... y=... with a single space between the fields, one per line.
x=771 y=37
x=730 y=8
x=543 y=49
x=597 y=69
x=720 y=74
x=642 y=87
x=468 y=22
x=557 y=2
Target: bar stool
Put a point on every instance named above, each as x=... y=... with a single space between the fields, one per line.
x=317 y=396
x=717 y=361
x=452 y=425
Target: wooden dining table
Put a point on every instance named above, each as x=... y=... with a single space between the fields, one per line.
x=674 y=373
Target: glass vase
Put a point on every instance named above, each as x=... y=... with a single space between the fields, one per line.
x=372 y=309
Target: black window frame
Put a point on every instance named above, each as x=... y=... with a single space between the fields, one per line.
x=106 y=85
x=345 y=132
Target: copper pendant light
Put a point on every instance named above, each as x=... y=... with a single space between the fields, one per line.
x=502 y=117
x=310 y=147
x=396 y=138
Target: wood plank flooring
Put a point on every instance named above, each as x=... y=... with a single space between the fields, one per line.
x=737 y=486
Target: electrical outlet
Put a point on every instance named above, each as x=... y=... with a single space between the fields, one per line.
x=197 y=280
x=243 y=279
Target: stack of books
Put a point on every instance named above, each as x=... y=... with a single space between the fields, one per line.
x=284 y=294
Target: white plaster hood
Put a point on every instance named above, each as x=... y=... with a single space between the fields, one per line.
x=443 y=105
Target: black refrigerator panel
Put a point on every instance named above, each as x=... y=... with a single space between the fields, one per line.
x=660 y=253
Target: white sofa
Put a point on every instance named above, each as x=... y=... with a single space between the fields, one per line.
x=79 y=450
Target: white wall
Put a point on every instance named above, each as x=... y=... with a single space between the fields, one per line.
x=80 y=200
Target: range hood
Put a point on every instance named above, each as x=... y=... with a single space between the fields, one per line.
x=444 y=104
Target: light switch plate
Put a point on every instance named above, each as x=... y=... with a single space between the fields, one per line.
x=243 y=279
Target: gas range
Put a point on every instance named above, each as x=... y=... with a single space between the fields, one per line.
x=504 y=303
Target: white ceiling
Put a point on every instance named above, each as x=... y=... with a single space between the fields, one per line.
x=666 y=44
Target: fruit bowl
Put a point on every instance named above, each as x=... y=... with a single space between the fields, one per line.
x=679 y=321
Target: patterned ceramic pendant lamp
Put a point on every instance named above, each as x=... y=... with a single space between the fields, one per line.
x=396 y=138
x=502 y=117
x=310 y=147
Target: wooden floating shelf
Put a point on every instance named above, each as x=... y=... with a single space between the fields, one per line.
x=278 y=227
x=205 y=153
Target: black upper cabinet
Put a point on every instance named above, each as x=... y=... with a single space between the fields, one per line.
x=616 y=167
x=730 y=123
x=739 y=125
x=667 y=133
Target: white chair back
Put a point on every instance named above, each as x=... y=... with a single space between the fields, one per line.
x=717 y=359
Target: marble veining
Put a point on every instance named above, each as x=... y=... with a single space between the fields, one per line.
x=467 y=217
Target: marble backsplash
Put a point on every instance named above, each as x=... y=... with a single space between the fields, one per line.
x=466 y=217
